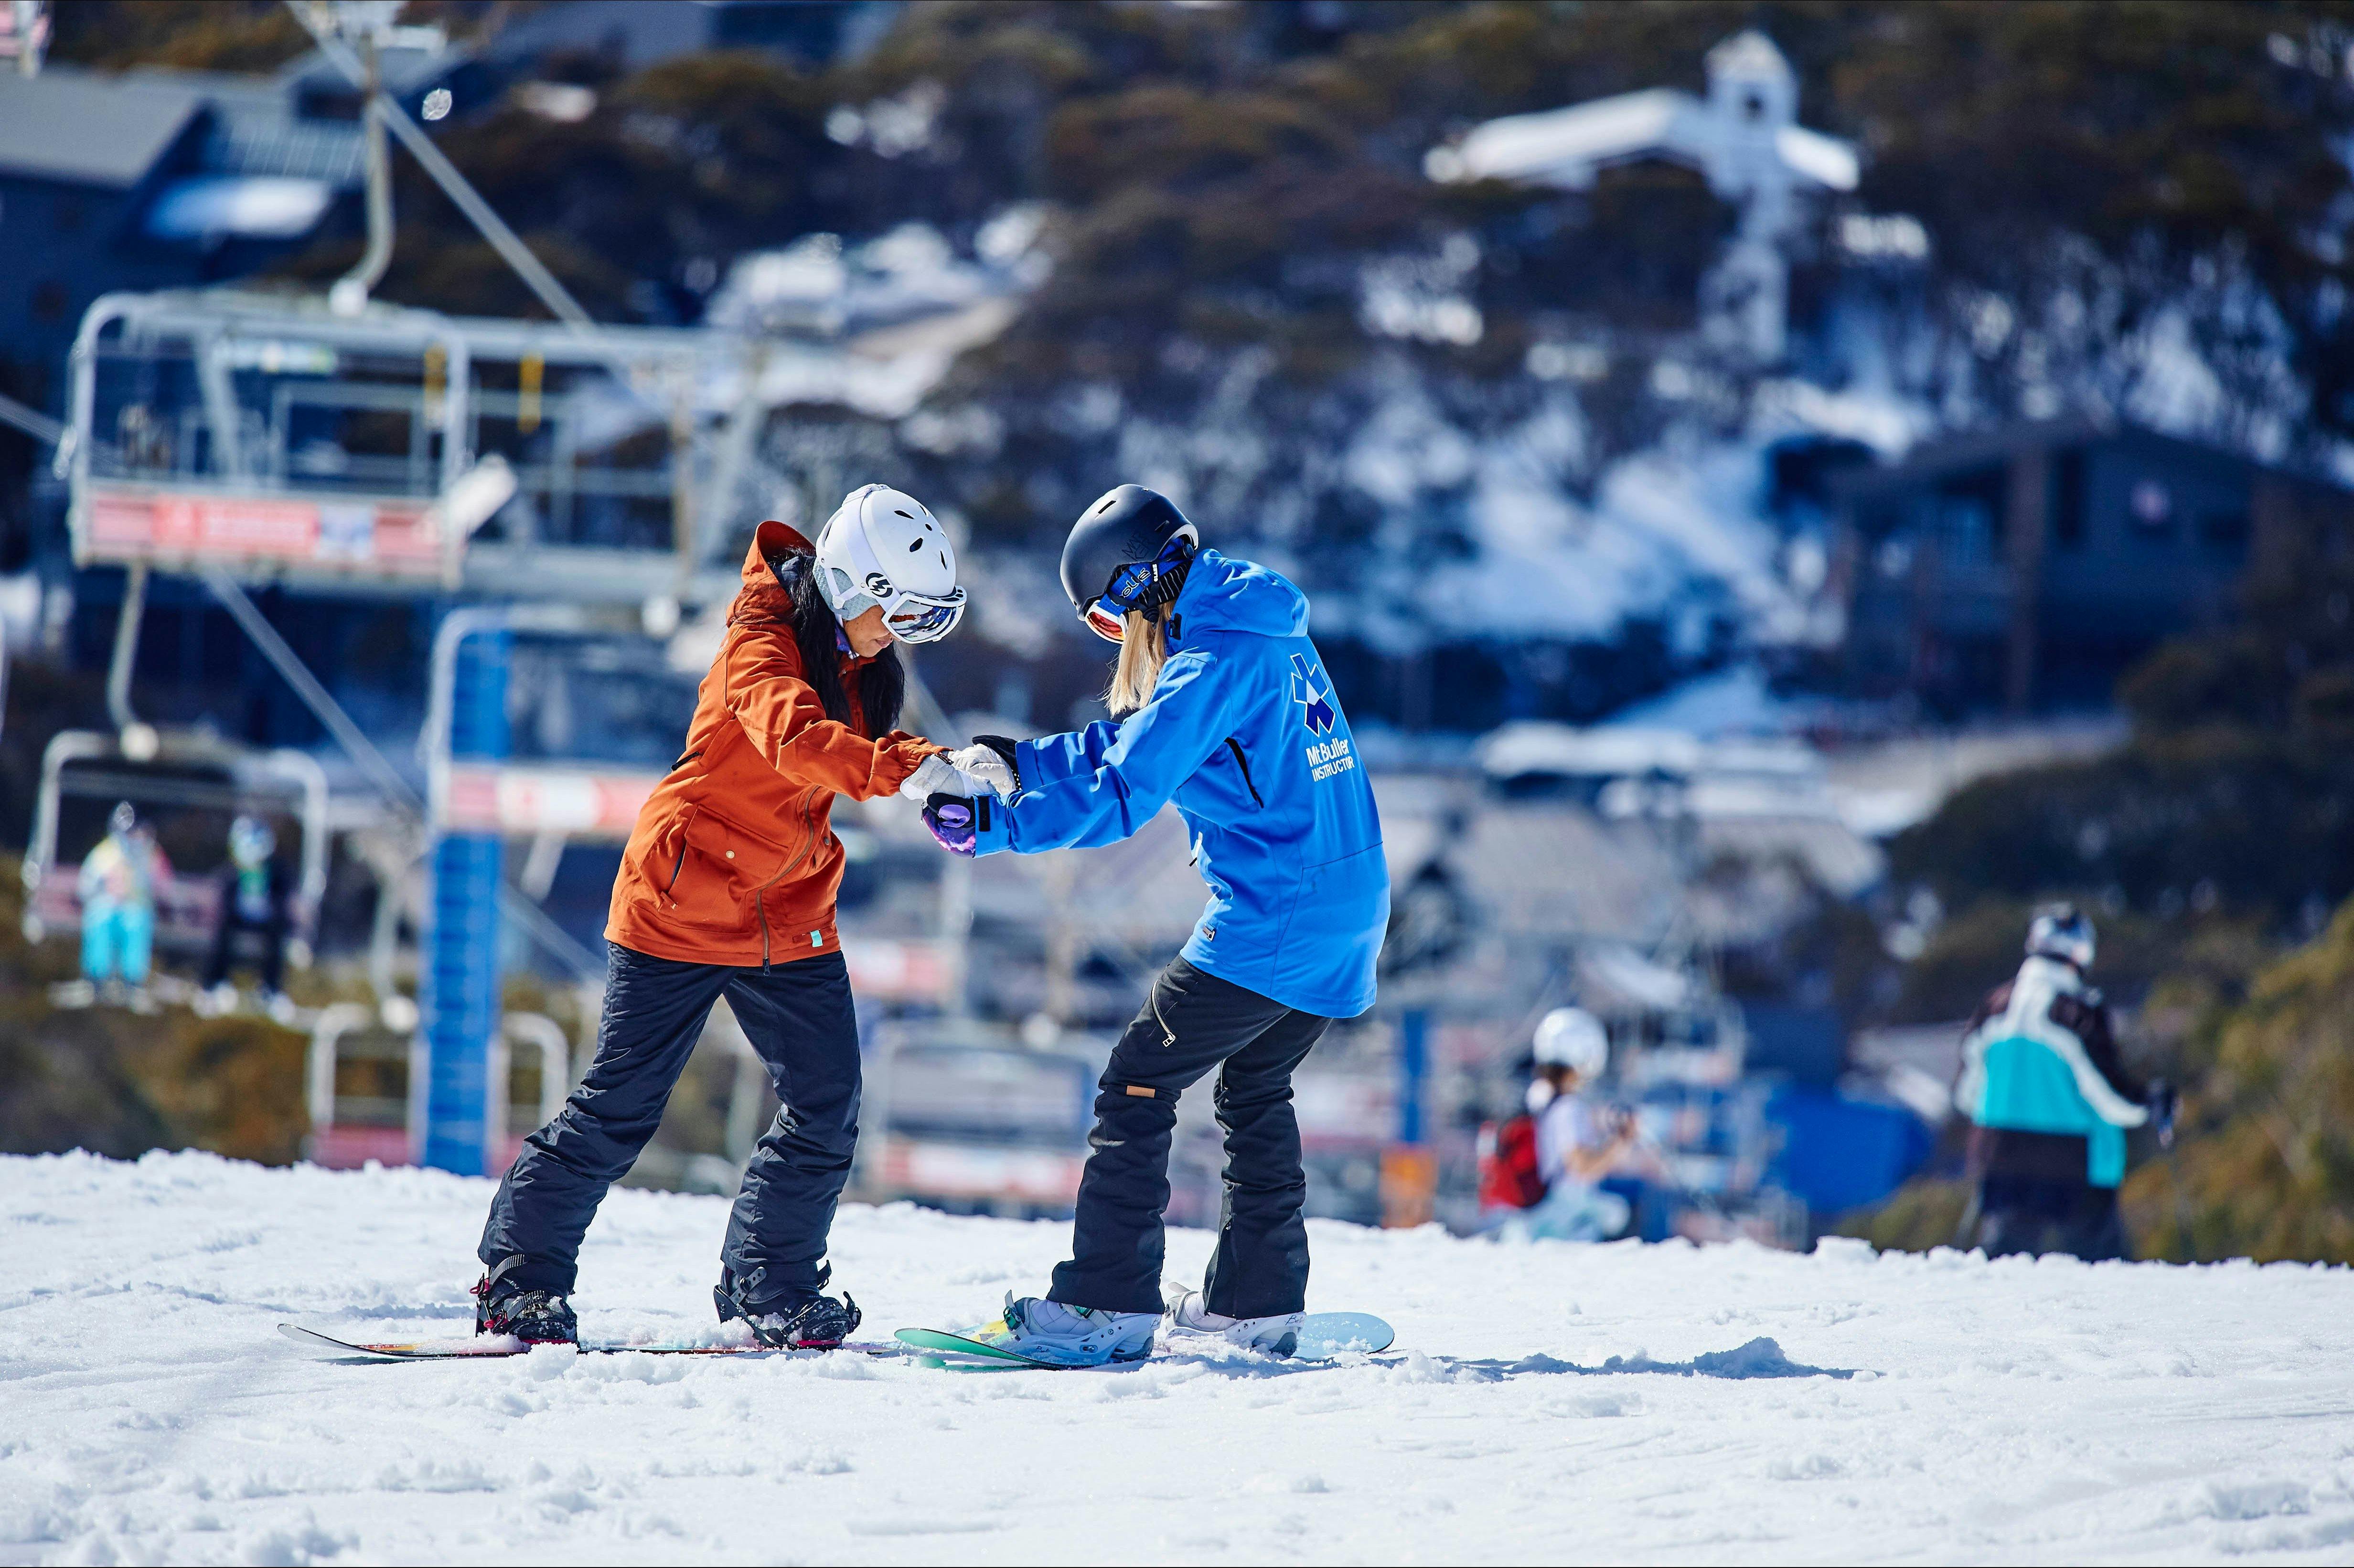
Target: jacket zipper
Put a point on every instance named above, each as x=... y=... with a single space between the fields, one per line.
x=670 y=889
x=1243 y=763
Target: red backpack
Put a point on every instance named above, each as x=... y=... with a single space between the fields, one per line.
x=1509 y=1178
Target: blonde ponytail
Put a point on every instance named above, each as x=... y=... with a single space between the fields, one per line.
x=1143 y=648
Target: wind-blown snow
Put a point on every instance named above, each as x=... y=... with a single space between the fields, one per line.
x=2013 y=1411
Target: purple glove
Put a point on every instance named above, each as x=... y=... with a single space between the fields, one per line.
x=957 y=821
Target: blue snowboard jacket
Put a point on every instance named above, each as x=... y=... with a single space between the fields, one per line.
x=1244 y=734
x=2039 y=1059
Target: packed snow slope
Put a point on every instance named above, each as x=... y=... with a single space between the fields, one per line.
x=1996 y=1412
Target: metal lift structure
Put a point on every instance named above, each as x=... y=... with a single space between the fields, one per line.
x=555 y=479
x=580 y=475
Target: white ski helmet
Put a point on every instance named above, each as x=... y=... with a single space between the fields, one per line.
x=882 y=547
x=1573 y=1038
x=250 y=841
x=2062 y=932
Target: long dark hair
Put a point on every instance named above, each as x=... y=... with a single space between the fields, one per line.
x=882 y=684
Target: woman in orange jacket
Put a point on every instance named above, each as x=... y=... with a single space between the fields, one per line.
x=727 y=887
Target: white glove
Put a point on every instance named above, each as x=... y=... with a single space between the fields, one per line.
x=935 y=776
x=978 y=761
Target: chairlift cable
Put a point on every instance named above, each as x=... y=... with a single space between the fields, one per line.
x=528 y=267
x=316 y=697
x=32 y=421
x=485 y=218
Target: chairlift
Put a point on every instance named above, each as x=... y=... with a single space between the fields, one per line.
x=169 y=768
x=276 y=438
x=349 y=1131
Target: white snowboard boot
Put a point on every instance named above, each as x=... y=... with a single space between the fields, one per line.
x=1067 y=1336
x=1189 y=1315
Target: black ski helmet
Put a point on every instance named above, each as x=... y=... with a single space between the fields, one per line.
x=1127 y=524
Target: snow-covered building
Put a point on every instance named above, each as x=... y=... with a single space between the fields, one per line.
x=1743 y=135
x=2030 y=566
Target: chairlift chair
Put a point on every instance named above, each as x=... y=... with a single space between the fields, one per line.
x=270 y=436
x=89 y=764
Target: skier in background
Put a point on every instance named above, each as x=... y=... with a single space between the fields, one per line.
x=118 y=884
x=2049 y=1102
x=1225 y=710
x=727 y=887
x=252 y=904
x=1580 y=1138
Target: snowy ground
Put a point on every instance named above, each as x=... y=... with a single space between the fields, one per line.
x=2013 y=1412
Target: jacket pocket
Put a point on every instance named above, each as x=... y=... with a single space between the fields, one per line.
x=1338 y=917
x=713 y=873
x=1242 y=763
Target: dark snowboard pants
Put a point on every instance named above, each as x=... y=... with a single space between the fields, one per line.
x=2025 y=1214
x=270 y=932
x=798 y=1017
x=1191 y=1022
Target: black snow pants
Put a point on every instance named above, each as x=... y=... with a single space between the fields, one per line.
x=798 y=1017
x=2024 y=1214
x=270 y=956
x=1191 y=1022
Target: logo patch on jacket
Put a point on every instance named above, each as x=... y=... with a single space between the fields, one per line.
x=1314 y=695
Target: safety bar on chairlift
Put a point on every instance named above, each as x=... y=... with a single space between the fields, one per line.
x=555 y=1073
x=206 y=320
x=342 y=1018
x=441 y=677
x=72 y=746
x=197 y=315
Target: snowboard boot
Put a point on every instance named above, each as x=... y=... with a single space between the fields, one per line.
x=1067 y=1336
x=1191 y=1318
x=808 y=1322
x=535 y=1317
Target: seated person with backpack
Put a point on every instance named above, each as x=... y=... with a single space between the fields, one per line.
x=1544 y=1169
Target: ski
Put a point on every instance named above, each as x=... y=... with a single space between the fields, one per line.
x=497 y=1347
x=1323 y=1337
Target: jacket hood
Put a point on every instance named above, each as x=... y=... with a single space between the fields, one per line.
x=1224 y=595
x=762 y=596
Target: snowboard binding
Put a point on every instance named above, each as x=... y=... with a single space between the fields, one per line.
x=811 y=1323
x=535 y=1317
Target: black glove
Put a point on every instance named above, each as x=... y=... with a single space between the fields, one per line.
x=1005 y=746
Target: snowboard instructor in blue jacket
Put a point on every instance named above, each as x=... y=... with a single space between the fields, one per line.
x=1222 y=709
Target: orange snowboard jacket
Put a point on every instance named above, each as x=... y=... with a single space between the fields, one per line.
x=733 y=860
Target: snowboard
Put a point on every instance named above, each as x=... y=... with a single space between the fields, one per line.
x=1323 y=1336
x=495 y=1346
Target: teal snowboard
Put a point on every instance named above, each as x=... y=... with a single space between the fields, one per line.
x=1323 y=1336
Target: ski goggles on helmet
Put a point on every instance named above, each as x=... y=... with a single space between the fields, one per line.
x=1140 y=585
x=909 y=616
x=920 y=617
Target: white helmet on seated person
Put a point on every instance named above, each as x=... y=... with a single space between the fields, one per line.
x=883 y=547
x=1573 y=1038
x=2061 y=931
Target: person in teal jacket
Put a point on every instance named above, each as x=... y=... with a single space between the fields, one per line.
x=2050 y=1103
x=1226 y=713
x=118 y=887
